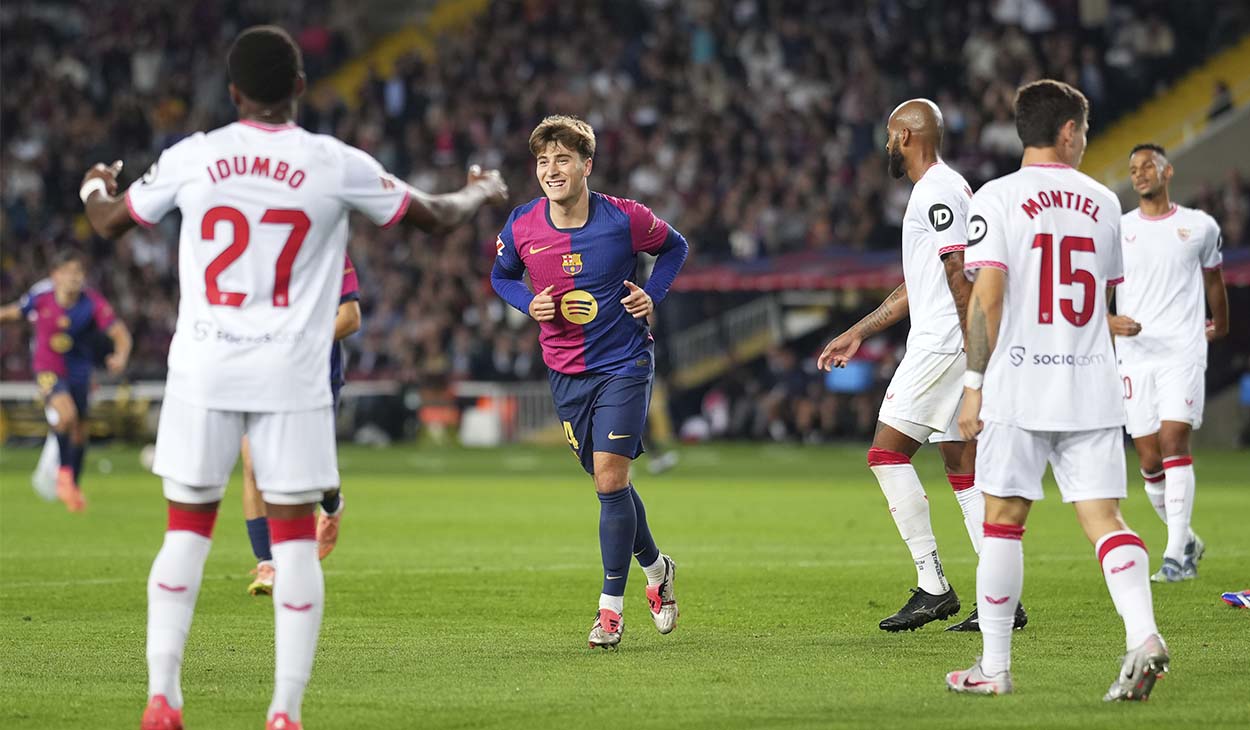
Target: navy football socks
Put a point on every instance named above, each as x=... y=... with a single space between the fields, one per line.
x=644 y=545
x=618 y=526
x=258 y=533
x=76 y=457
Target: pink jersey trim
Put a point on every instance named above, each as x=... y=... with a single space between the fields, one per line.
x=134 y=215
x=1116 y=281
x=403 y=208
x=947 y=249
x=1056 y=165
x=1171 y=212
x=984 y=264
x=267 y=127
x=1217 y=267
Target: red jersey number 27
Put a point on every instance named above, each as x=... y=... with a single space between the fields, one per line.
x=1068 y=275
x=241 y=235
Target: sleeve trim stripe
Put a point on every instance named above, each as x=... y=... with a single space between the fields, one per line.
x=948 y=249
x=403 y=208
x=135 y=214
x=1217 y=267
x=984 y=265
x=1116 y=281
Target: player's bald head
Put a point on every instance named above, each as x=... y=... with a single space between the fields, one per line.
x=921 y=117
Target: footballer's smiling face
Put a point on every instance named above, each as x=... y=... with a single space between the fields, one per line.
x=562 y=173
x=1150 y=173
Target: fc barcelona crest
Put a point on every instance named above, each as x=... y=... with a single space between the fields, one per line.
x=571 y=263
x=1183 y=233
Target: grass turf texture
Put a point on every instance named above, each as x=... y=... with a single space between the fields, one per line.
x=465 y=582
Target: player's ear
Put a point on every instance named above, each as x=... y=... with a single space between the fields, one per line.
x=1067 y=133
x=590 y=162
x=236 y=98
x=301 y=83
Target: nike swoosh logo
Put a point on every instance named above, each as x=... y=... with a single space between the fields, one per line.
x=1122 y=568
x=975 y=684
x=997 y=601
x=614 y=577
x=171 y=589
x=540 y=250
x=301 y=609
x=618 y=436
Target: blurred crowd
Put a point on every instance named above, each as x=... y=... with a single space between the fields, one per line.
x=754 y=126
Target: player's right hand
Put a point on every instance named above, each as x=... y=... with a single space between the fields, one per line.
x=543 y=306
x=492 y=182
x=1123 y=325
x=839 y=351
x=970 y=423
x=106 y=173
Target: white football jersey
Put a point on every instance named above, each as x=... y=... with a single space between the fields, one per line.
x=1163 y=290
x=933 y=226
x=260 y=258
x=1056 y=234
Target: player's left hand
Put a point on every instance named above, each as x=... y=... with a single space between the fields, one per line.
x=638 y=303
x=116 y=363
x=1212 y=333
x=1123 y=325
x=970 y=423
x=107 y=174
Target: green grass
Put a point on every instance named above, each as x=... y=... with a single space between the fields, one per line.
x=465 y=582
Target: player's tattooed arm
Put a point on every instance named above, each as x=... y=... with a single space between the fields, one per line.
x=1217 y=300
x=961 y=288
x=842 y=348
x=985 y=312
x=442 y=213
x=107 y=212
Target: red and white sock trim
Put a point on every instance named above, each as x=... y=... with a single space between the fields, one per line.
x=1113 y=540
x=1003 y=532
x=960 y=482
x=201 y=523
x=1171 y=462
x=299 y=528
x=1152 y=477
x=885 y=457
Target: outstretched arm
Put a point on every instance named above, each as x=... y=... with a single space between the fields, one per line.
x=442 y=213
x=1217 y=300
x=11 y=313
x=842 y=348
x=347 y=319
x=107 y=211
x=985 y=314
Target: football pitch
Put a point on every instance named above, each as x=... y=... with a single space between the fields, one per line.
x=465 y=583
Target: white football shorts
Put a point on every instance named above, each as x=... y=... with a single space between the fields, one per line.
x=293 y=452
x=1166 y=392
x=1088 y=465
x=922 y=400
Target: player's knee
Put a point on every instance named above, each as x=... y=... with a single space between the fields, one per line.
x=1174 y=442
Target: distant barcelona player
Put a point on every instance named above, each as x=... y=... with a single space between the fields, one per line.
x=580 y=249
x=74 y=327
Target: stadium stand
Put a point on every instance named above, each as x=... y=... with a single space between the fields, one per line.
x=756 y=131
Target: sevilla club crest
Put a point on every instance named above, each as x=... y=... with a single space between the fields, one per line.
x=571 y=263
x=1183 y=233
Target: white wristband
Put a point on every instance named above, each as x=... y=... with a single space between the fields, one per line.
x=973 y=381
x=93 y=185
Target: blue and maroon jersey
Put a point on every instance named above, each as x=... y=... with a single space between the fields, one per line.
x=61 y=337
x=350 y=293
x=587 y=267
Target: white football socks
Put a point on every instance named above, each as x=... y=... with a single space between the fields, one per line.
x=173 y=585
x=298 y=604
x=1155 y=491
x=1126 y=568
x=655 y=572
x=1000 y=579
x=1179 y=490
x=614 y=603
x=910 y=509
x=971 y=503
